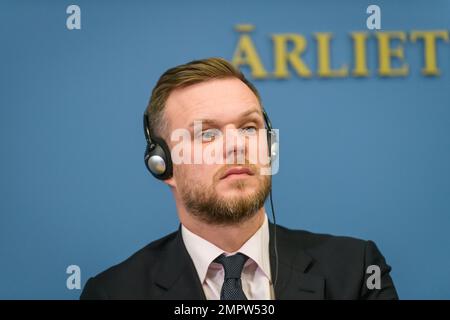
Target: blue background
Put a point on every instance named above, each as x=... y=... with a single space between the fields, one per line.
x=366 y=157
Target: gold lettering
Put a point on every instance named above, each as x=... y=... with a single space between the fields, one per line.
x=283 y=57
x=385 y=53
x=245 y=53
x=323 y=57
x=359 y=54
x=430 y=53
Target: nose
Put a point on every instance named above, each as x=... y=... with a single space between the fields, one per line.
x=235 y=146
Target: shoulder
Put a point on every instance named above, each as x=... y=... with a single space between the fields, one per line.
x=346 y=263
x=143 y=257
x=328 y=250
x=308 y=240
x=131 y=275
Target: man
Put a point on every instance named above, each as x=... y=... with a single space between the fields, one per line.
x=225 y=248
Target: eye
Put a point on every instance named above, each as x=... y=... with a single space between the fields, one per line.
x=209 y=134
x=250 y=130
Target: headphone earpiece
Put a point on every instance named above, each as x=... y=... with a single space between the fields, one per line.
x=272 y=139
x=157 y=155
x=273 y=151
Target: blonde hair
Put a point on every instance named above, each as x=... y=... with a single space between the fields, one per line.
x=185 y=75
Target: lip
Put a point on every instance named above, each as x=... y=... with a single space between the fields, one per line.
x=237 y=171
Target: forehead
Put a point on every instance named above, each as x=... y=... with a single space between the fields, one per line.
x=218 y=99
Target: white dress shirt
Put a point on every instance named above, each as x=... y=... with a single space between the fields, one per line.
x=256 y=276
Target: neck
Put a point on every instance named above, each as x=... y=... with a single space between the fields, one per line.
x=229 y=238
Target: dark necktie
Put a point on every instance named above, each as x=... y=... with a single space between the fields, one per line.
x=232 y=285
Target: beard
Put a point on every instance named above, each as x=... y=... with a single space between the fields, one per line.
x=207 y=205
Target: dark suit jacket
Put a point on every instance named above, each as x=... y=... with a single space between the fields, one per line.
x=311 y=266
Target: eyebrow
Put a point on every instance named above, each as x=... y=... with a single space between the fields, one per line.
x=213 y=122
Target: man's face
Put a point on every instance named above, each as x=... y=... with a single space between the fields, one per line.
x=209 y=190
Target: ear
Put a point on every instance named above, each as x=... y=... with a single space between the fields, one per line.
x=170 y=182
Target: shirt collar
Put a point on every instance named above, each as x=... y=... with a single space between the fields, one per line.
x=257 y=248
x=204 y=252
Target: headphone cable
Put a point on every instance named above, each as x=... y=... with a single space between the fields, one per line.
x=274 y=239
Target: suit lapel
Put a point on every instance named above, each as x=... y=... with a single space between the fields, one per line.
x=176 y=277
x=293 y=282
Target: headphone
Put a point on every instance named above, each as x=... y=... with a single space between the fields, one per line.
x=157 y=154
